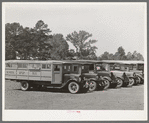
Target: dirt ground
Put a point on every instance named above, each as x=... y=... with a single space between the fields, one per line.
x=126 y=98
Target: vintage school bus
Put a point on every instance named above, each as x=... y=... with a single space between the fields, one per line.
x=135 y=66
x=96 y=82
x=52 y=74
x=49 y=74
x=100 y=70
x=119 y=66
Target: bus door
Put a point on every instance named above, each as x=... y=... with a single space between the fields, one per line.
x=57 y=74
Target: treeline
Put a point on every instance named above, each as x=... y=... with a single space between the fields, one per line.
x=38 y=43
x=121 y=55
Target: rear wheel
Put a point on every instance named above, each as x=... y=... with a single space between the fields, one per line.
x=119 y=83
x=131 y=82
x=25 y=86
x=73 y=87
x=92 y=86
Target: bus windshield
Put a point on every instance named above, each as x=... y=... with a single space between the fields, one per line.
x=101 y=67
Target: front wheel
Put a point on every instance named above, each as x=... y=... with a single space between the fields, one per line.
x=131 y=82
x=73 y=87
x=107 y=84
x=25 y=86
x=92 y=86
x=139 y=80
x=119 y=83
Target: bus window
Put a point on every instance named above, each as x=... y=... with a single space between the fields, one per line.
x=25 y=65
x=43 y=66
x=65 y=67
x=68 y=68
x=100 y=67
x=20 y=65
x=34 y=66
x=130 y=67
x=75 y=68
x=57 y=68
x=48 y=66
x=85 y=68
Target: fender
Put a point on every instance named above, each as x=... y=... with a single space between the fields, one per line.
x=108 y=78
x=93 y=79
x=139 y=76
x=70 y=80
x=121 y=78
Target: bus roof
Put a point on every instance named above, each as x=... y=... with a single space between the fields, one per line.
x=113 y=61
x=123 y=61
x=46 y=61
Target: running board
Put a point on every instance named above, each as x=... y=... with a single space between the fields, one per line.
x=53 y=87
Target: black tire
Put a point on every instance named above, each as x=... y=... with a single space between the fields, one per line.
x=107 y=83
x=131 y=81
x=139 y=79
x=25 y=86
x=73 y=87
x=119 y=82
x=142 y=81
x=136 y=83
x=92 y=85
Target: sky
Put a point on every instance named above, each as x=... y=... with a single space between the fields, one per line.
x=111 y=24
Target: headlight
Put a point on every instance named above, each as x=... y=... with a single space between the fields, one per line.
x=79 y=79
x=112 y=74
x=97 y=77
x=101 y=77
x=134 y=74
x=124 y=74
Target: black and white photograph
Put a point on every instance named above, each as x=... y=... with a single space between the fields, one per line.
x=74 y=61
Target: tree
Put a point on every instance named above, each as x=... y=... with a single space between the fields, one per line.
x=71 y=54
x=27 y=43
x=111 y=56
x=120 y=54
x=129 y=56
x=82 y=43
x=137 y=56
x=59 y=47
x=105 y=56
x=11 y=32
x=140 y=57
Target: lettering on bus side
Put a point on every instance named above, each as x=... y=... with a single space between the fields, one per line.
x=34 y=73
x=22 y=72
x=10 y=72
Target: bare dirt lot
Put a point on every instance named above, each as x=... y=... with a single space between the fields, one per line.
x=128 y=98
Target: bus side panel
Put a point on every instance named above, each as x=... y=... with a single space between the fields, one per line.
x=10 y=74
x=46 y=75
x=34 y=75
x=22 y=74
